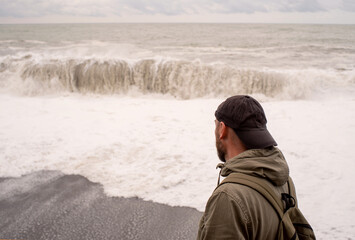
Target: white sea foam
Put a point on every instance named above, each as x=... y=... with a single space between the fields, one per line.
x=163 y=149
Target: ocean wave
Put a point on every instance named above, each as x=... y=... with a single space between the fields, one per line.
x=178 y=78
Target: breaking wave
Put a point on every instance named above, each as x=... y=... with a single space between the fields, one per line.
x=178 y=78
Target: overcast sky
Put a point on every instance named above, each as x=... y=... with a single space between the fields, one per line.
x=269 y=11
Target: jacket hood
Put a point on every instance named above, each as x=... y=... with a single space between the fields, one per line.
x=266 y=163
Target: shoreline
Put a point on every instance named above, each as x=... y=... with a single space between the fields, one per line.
x=51 y=205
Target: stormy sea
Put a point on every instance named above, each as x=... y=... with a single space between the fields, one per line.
x=107 y=130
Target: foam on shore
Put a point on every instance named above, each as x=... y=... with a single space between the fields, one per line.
x=163 y=149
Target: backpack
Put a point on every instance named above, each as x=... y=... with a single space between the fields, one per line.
x=293 y=225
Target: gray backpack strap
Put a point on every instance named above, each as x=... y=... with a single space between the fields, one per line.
x=260 y=186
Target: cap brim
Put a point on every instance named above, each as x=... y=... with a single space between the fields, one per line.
x=256 y=138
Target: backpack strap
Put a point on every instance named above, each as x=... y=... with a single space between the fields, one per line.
x=259 y=185
x=292 y=190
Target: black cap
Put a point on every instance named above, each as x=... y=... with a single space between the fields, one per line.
x=246 y=117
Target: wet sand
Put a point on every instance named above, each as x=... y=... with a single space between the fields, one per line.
x=51 y=205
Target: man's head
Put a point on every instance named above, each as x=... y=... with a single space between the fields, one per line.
x=244 y=121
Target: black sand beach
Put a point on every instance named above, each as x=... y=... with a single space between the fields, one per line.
x=51 y=205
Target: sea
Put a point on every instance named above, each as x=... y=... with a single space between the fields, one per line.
x=131 y=106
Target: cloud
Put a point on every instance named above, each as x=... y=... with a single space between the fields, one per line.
x=241 y=6
x=349 y=5
x=36 y=8
x=245 y=6
x=154 y=6
x=102 y=8
x=302 y=6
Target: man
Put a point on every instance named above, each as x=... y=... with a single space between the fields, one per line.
x=244 y=144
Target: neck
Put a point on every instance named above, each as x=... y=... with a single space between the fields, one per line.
x=232 y=152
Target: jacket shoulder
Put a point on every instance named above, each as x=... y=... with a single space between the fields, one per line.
x=225 y=217
x=238 y=193
x=239 y=212
x=235 y=195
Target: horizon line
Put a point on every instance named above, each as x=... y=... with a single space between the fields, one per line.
x=289 y=23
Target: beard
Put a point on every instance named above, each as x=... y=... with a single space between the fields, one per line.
x=221 y=150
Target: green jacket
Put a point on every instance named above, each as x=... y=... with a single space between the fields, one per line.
x=236 y=211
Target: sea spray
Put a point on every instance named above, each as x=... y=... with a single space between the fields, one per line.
x=178 y=78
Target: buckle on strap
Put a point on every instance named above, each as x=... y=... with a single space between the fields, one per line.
x=289 y=201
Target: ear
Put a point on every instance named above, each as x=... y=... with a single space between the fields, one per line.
x=222 y=130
